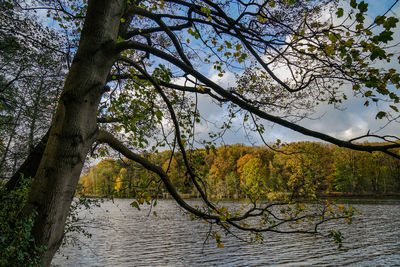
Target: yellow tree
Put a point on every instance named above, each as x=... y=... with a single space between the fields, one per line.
x=308 y=168
x=253 y=175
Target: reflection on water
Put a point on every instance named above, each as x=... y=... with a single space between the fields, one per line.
x=124 y=236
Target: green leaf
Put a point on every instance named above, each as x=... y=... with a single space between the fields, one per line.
x=377 y=52
x=368 y=93
x=158 y=114
x=390 y=23
x=120 y=39
x=362 y=6
x=135 y=205
x=380 y=115
x=394 y=108
x=385 y=36
x=380 y=20
x=333 y=37
x=360 y=18
x=353 y=3
x=339 y=12
x=330 y=50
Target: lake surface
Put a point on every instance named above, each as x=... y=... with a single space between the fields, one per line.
x=124 y=236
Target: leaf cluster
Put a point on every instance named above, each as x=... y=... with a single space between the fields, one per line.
x=17 y=244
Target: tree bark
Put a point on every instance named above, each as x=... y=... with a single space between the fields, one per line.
x=74 y=126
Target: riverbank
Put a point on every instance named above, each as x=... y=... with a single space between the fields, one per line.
x=334 y=195
x=360 y=195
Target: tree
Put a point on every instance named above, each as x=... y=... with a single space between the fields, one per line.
x=307 y=166
x=33 y=70
x=253 y=174
x=123 y=78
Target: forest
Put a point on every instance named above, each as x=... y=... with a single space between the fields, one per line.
x=232 y=171
x=131 y=78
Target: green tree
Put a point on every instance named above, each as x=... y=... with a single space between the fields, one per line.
x=343 y=170
x=17 y=246
x=232 y=185
x=254 y=176
x=140 y=48
x=306 y=168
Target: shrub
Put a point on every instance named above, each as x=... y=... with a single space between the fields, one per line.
x=17 y=245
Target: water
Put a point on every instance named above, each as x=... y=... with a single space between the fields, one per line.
x=124 y=236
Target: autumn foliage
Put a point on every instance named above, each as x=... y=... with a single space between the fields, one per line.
x=238 y=171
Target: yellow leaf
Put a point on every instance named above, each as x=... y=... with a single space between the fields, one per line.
x=220 y=245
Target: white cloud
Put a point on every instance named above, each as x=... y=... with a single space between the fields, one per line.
x=227 y=80
x=354 y=120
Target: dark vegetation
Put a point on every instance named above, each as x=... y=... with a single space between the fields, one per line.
x=234 y=171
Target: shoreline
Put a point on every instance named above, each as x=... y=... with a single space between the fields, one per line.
x=395 y=195
x=360 y=194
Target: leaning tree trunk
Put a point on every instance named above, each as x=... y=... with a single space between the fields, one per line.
x=74 y=128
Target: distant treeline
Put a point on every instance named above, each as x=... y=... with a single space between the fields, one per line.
x=235 y=170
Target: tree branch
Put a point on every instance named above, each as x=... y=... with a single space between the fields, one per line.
x=246 y=106
x=106 y=137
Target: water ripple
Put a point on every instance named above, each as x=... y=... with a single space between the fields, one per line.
x=123 y=236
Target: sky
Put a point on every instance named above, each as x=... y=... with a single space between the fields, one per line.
x=353 y=119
